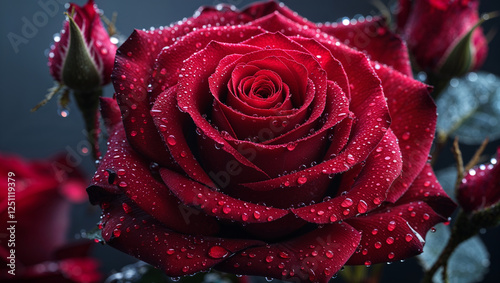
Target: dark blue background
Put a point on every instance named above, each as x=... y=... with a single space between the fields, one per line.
x=24 y=78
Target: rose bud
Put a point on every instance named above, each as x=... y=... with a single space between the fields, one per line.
x=83 y=57
x=256 y=142
x=480 y=188
x=37 y=200
x=444 y=36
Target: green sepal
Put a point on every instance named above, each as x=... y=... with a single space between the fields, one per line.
x=79 y=71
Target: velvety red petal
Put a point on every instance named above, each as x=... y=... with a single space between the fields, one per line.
x=427 y=188
x=171 y=59
x=313 y=257
x=260 y=10
x=216 y=203
x=385 y=237
x=372 y=121
x=414 y=116
x=369 y=190
x=375 y=39
x=124 y=171
x=164 y=111
x=141 y=236
x=134 y=61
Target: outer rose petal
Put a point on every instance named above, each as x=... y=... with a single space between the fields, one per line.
x=216 y=203
x=376 y=39
x=313 y=257
x=382 y=167
x=140 y=235
x=397 y=231
x=414 y=117
x=123 y=171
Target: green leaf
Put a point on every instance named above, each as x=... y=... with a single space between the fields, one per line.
x=468 y=263
x=470 y=108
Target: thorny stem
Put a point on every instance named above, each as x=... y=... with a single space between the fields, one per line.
x=460 y=163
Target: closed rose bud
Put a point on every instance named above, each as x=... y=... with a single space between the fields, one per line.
x=83 y=57
x=444 y=35
x=480 y=188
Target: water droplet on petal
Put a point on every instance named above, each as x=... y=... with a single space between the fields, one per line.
x=389 y=240
x=408 y=237
x=217 y=252
x=346 y=203
x=390 y=255
x=269 y=258
x=406 y=136
x=171 y=140
x=362 y=206
x=302 y=180
x=391 y=226
x=378 y=245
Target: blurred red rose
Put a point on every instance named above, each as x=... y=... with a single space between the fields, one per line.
x=256 y=142
x=68 y=60
x=38 y=199
x=434 y=28
x=480 y=188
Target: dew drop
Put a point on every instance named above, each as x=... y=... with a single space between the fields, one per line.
x=346 y=203
x=333 y=218
x=389 y=240
x=362 y=206
x=284 y=255
x=378 y=245
x=390 y=255
x=391 y=226
x=368 y=263
x=133 y=133
x=426 y=216
x=408 y=237
x=256 y=214
x=269 y=258
x=406 y=136
x=122 y=184
x=217 y=252
x=117 y=232
x=170 y=251
x=302 y=180
x=171 y=140
x=374 y=231
x=329 y=254
x=126 y=208
x=291 y=146
x=226 y=209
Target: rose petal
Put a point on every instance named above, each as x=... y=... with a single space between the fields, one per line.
x=216 y=203
x=427 y=188
x=132 y=69
x=123 y=171
x=414 y=123
x=376 y=39
x=165 y=110
x=369 y=190
x=313 y=257
x=141 y=236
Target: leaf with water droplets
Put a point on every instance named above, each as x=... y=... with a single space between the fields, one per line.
x=470 y=108
x=468 y=263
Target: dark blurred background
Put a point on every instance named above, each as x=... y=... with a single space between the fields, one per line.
x=24 y=79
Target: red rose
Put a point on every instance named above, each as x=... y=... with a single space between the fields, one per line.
x=433 y=29
x=72 y=69
x=35 y=213
x=254 y=142
x=480 y=188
